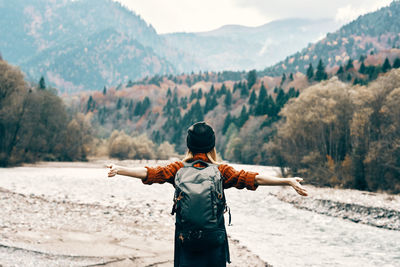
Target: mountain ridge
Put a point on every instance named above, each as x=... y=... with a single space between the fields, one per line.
x=37 y=34
x=236 y=47
x=368 y=34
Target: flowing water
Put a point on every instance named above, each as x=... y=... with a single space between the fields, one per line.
x=279 y=233
x=283 y=235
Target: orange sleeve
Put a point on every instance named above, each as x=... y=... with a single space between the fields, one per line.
x=239 y=179
x=162 y=174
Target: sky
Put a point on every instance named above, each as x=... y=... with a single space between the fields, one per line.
x=204 y=15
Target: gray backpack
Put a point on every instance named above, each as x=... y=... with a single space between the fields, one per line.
x=199 y=204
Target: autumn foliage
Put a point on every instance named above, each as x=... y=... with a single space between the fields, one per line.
x=34 y=124
x=341 y=135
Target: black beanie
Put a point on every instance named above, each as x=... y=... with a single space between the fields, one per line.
x=200 y=138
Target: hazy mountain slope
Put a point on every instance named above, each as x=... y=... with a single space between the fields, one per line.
x=235 y=47
x=104 y=58
x=368 y=34
x=37 y=34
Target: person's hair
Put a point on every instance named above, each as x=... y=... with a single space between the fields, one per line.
x=211 y=155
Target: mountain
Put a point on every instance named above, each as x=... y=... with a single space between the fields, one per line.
x=81 y=42
x=235 y=47
x=369 y=34
x=104 y=58
x=88 y=44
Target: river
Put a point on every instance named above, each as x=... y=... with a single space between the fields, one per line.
x=277 y=232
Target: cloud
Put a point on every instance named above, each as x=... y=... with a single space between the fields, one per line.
x=349 y=12
x=193 y=16
x=339 y=9
x=205 y=15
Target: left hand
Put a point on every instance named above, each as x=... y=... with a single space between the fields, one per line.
x=295 y=183
x=113 y=170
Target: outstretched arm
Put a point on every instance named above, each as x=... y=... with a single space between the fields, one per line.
x=137 y=172
x=262 y=179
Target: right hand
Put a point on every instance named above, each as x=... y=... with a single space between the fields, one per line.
x=113 y=170
x=295 y=183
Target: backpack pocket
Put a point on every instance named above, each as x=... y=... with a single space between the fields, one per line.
x=199 y=240
x=197 y=209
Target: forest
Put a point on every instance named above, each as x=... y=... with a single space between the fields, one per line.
x=334 y=130
x=337 y=134
x=34 y=123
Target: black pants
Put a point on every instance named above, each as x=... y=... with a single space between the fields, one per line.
x=214 y=257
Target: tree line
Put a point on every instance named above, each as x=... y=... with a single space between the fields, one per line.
x=34 y=123
x=336 y=134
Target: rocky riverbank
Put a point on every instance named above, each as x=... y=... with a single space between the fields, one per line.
x=72 y=215
x=375 y=209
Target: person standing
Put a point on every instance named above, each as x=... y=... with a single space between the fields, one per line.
x=201 y=152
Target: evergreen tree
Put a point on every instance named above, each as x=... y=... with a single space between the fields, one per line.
x=42 y=83
x=260 y=110
x=146 y=104
x=138 y=109
x=244 y=90
x=188 y=81
x=281 y=98
x=193 y=95
x=90 y=104
x=270 y=107
x=130 y=84
x=292 y=92
x=169 y=93
x=386 y=65
x=251 y=78
x=340 y=71
x=244 y=116
x=396 y=63
x=197 y=112
x=349 y=64
x=199 y=94
x=175 y=100
x=283 y=79
x=227 y=122
x=211 y=103
x=223 y=90
x=362 y=69
x=184 y=102
x=236 y=86
x=212 y=90
x=130 y=108
x=372 y=72
x=104 y=90
x=320 y=74
x=228 y=99
x=291 y=77
x=119 y=103
x=310 y=72
x=253 y=97
x=167 y=107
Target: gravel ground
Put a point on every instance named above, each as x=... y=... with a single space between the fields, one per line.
x=376 y=209
x=69 y=214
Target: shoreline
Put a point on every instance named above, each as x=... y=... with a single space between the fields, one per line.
x=53 y=229
x=375 y=209
x=45 y=218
